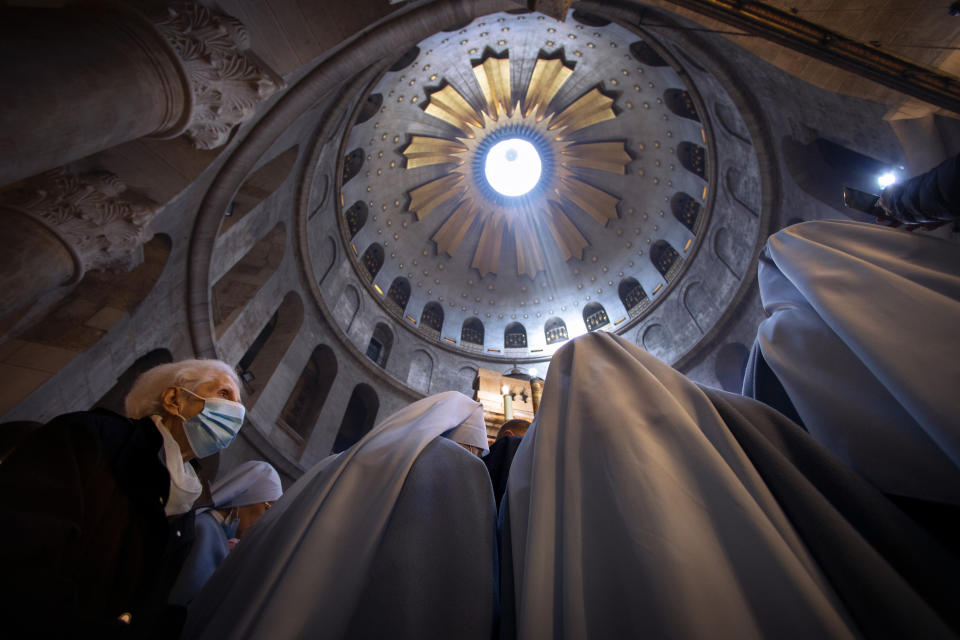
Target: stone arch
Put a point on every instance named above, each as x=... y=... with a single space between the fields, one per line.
x=725 y=250
x=472 y=333
x=595 y=316
x=730 y=365
x=743 y=189
x=822 y=168
x=369 y=107
x=645 y=54
x=654 y=339
x=589 y=19
x=633 y=297
x=666 y=259
x=405 y=60
x=99 y=302
x=380 y=344
x=113 y=399
x=258 y=186
x=356 y=217
x=681 y=103
x=303 y=406
x=257 y=365
x=329 y=251
x=358 y=418
x=515 y=336
x=693 y=158
x=238 y=286
x=372 y=260
x=347 y=308
x=696 y=303
x=555 y=330
x=398 y=295
x=466 y=381
x=352 y=164
x=431 y=319
x=421 y=371
x=686 y=210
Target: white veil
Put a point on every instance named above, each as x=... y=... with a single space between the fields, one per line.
x=633 y=510
x=864 y=335
x=300 y=570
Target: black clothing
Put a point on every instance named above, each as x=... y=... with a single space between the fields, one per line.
x=84 y=537
x=929 y=197
x=498 y=463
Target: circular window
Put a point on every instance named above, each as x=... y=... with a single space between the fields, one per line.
x=513 y=167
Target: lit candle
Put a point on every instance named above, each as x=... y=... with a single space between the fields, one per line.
x=507 y=403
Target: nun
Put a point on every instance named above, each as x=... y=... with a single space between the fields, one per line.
x=394 y=537
x=860 y=346
x=240 y=498
x=640 y=504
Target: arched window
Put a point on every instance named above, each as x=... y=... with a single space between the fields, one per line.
x=258 y=186
x=693 y=158
x=303 y=406
x=370 y=107
x=378 y=349
x=685 y=209
x=398 y=295
x=680 y=103
x=113 y=399
x=633 y=297
x=555 y=331
x=515 y=336
x=372 y=260
x=356 y=217
x=269 y=347
x=595 y=316
x=406 y=59
x=666 y=259
x=431 y=319
x=352 y=164
x=359 y=417
x=471 y=334
x=646 y=54
x=238 y=286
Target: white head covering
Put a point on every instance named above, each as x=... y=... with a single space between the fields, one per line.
x=633 y=512
x=862 y=333
x=316 y=543
x=249 y=483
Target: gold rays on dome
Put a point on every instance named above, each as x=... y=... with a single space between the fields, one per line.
x=493 y=76
x=542 y=219
x=548 y=76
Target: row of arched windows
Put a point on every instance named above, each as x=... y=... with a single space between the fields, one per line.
x=635 y=300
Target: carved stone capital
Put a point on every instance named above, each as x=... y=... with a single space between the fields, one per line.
x=227 y=82
x=102 y=223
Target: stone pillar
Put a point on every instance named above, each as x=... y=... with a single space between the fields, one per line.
x=59 y=225
x=78 y=80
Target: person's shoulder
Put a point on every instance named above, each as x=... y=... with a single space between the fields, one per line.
x=105 y=426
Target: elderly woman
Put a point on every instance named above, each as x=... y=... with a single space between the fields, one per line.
x=97 y=508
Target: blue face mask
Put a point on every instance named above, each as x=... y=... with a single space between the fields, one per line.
x=215 y=427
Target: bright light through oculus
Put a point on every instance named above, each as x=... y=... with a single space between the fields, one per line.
x=512 y=167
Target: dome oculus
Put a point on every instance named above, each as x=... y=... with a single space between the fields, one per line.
x=512 y=167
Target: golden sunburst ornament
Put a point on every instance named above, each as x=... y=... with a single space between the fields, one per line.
x=515 y=170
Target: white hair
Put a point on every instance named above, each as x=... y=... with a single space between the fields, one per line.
x=144 y=397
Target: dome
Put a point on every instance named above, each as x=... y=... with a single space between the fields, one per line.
x=620 y=193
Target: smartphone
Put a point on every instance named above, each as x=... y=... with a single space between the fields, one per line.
x=862 y=201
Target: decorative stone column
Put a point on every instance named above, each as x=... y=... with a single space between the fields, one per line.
x=59 y=225
x=78 y=80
